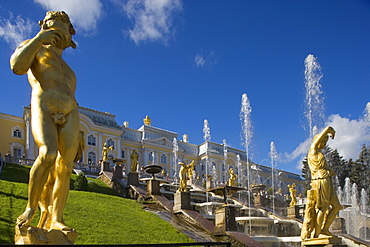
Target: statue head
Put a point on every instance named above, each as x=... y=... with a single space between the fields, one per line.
x=51 y=21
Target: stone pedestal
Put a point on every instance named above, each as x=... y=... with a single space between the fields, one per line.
x=225 y=219
x=321 y=241
x=153 y=187
x=260 y=201
x=29 y=235
x=133 y=178
x=338 y=226
x=181 y=201
x=293 y=212
x=117 y=172
x=209 y=184
x=104 y=166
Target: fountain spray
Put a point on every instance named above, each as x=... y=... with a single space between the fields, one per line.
x=225 y=159
x=239 y=170
x=247 y=133
x=273 y=156
x=207 y=138
x=315 y=109
x=364 y=209
x=367 y=114
x=175 y=151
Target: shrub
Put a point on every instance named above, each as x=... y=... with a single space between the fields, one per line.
x=81 y=182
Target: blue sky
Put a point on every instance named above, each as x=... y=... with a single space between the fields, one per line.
x=182 y=62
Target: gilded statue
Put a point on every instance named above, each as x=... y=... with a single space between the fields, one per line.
x=309 y=221
x=134 y=161
x=54 y=117
x=183 y=175
x=104 y=152
x=147 y=121
x=232 y=177
x=293 y=194
x=322 y=190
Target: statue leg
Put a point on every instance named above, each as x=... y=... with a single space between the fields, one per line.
x=68 y=147
x=45 y=134
x=46 y=201
x=335 y=207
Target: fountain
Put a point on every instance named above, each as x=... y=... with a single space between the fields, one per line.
x=315 y=109
x=153 y=185
x=273 y=156
x=247 y=133
x=355 y=211
x=225 y=215
x=214 y=175
x=239 y=173
x=225 y=160
x=174 y=167
x=365 y=231
x=207 y=138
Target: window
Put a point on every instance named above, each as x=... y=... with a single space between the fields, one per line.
x=163 y=159
x=123 y=154
x=91 y=140
x=17 y=152
x=151 y=156
x=17 y=133
x=110 y=142
x=91 y=157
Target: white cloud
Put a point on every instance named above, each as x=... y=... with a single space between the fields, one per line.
x=15 y=31
x=153 y=19
x=298 y=154
x=84 y=14
x=205 y=61
x=349 y=138
x=199 y=60
x=350 y=135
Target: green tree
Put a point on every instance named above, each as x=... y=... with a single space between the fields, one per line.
x=338 y=164
x=81 y=182
x=361 y=171
x=306 y=175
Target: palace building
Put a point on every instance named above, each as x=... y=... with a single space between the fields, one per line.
x=152 y=144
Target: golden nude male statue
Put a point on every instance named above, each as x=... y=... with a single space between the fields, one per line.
x=104 y=151
x=322 y=192
x=134 y=161
x=293 y=194
x=183 y=175
x=232 y=177
x=54 y=115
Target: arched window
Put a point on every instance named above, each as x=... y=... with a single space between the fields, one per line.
x=91 y=140
x=163 y=159
x=91 y=157
x=17 y=152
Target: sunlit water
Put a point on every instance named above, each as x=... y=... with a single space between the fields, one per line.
x=315 y=109
x=247 y=133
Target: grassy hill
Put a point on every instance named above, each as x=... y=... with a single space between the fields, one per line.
x=99 y=215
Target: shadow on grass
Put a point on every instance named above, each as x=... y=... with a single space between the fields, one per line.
x=8 y=221
x=15 y=173
x=15 y=196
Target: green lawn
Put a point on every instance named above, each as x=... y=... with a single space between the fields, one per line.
x=99 y=216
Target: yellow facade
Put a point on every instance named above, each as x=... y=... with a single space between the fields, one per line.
x=152 y=144
x=13 y=135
